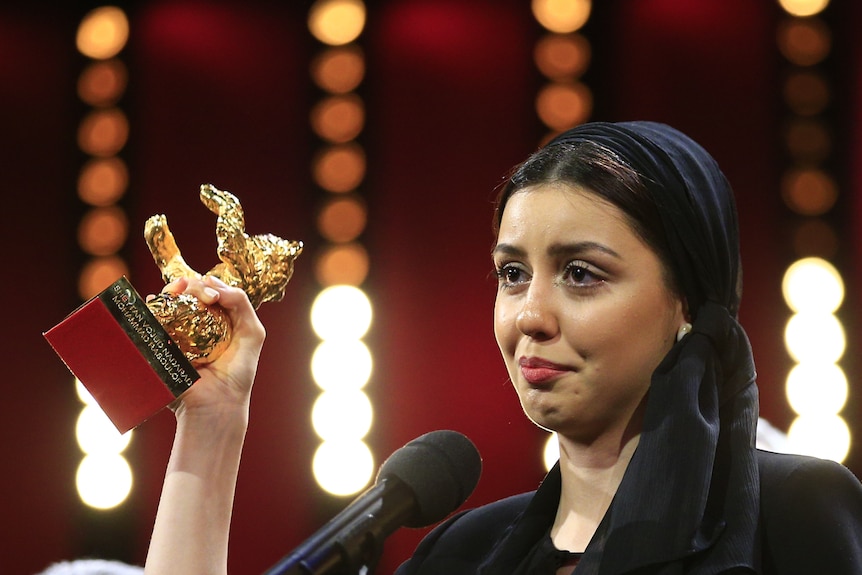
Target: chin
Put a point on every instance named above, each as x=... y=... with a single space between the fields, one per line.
x=548 y=420
x=543 y=426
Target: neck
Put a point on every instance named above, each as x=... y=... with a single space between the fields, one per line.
x=591 y=473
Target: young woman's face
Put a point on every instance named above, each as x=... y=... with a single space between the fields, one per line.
x=583 y=314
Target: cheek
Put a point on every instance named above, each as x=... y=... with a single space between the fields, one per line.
x=626 y=330
x=504 y=324
x=637 y=334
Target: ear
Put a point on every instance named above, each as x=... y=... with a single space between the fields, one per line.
x=682 y=308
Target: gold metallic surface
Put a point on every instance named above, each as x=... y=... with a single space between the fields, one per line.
x=260 y=265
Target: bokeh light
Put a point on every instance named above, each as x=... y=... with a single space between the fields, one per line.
x=342 y=219
x=339 y=169
x=341 y=312
x=103 y=181
x=807 y=93
x=102 y=33
x=562 y=106
x=803 y=8
x=341 y=415
x=84 y=396
x=99 y=273
x=104 y=481
x=808 y=141
x=804 y=42
x=97 y=435
x=815 y=337
x=813 y=285
x=827 y=437
x=808 y=191
x=341 y=365
x=103 y=132
x=336 y=22
x=102 y=83
x=816 y=389
x=338 y=119
x=562 y=16
x=339 y=70
x=342 y=264
x=343 y=467
x=103 y=231
x=815 y=237
x=561 y=57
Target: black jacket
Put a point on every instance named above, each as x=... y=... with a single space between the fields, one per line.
x=810 y=523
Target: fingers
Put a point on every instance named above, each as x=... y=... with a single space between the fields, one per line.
x=175 y=287
x=193 y=286
x=235 y=301
x=211 y=290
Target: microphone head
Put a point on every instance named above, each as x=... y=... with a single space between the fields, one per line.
x=441 y=468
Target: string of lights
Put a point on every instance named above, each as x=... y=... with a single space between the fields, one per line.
x=341 y=313
x=813 y=286
x=104 y=477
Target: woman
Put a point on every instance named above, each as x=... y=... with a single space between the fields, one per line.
x=618 y=265
x=616 y=313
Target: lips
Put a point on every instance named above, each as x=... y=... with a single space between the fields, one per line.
x=538 y=371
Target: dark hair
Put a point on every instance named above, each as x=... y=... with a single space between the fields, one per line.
x=602 y=172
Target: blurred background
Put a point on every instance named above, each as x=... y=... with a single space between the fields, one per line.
x=377 y=133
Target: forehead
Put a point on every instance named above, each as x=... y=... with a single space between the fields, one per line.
x=560 y=210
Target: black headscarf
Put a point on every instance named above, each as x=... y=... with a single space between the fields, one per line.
x=689 y=500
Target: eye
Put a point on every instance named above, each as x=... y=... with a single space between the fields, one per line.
x=511 y=275
x=580 y=274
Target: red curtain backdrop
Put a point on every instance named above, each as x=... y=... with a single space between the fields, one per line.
x=37 y=127
x=451 y=94
x=219 y=92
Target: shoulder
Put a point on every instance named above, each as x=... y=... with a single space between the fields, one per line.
x=800 y=479
x=460 y=543
x=811 y=513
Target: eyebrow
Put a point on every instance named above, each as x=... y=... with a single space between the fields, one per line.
x=558 y=249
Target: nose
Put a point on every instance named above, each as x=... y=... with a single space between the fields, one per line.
x=537 y=317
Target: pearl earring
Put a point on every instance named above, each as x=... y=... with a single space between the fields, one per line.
x=683 y=331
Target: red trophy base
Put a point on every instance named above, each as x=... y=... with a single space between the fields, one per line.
x=119 y=351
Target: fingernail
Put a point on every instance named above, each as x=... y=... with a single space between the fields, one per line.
x=211 y=293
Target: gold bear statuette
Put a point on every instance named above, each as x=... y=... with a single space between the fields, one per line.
x=260 y=265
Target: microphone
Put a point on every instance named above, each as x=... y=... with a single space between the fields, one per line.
x=418 y=485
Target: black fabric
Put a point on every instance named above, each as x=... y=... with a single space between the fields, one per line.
x=811 y=516
x=810 y=522
x=545 y=558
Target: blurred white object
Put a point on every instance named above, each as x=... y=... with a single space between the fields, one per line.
x=770 y=438
x=92 y=567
